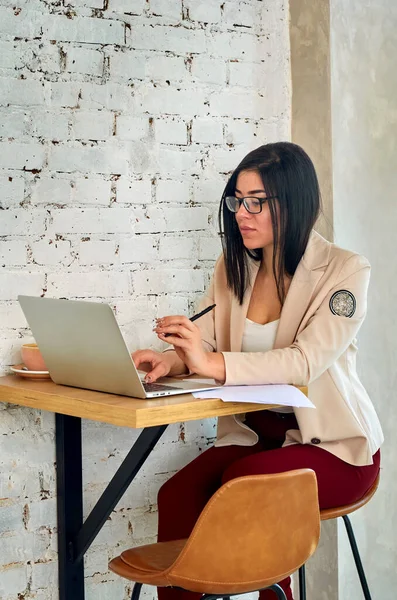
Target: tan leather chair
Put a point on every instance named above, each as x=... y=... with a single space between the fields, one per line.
x=253 y=532
x=343 y=511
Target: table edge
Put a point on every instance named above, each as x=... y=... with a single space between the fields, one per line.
x=191 y=410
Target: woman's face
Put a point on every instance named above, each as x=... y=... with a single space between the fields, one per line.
x=256 y=229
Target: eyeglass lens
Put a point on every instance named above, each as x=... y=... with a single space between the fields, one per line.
x=252 y=205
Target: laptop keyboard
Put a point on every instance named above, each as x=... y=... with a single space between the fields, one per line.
x=158 y=387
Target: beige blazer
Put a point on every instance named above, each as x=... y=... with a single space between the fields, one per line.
x=315 y=346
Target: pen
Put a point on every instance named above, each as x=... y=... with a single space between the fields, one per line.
x=203 y=312
x=194 y=317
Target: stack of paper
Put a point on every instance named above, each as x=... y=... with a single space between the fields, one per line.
x=283 y=395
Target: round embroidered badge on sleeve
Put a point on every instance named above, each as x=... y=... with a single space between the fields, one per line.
x=343 y=303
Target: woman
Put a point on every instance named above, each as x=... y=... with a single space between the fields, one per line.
x=288 y=307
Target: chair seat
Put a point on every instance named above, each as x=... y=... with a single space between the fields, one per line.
x=151 y=564
x=242 y=540
x=340 y=511
x=147 y=564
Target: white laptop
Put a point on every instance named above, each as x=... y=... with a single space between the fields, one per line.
x=82 y=346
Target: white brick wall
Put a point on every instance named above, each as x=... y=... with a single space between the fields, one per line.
x=80 y=60
x=119 y=122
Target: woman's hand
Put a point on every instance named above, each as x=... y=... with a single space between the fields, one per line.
x=156 y=364
x=185 y=336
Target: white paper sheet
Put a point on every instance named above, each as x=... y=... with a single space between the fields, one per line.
x=202 y=380
x=284 y=395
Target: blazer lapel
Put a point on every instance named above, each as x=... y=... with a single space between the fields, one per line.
x=298 y=298
x=307 y=275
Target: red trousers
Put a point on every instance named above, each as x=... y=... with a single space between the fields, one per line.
x=182 y=498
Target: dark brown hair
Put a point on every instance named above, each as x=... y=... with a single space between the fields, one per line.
x=287 y=173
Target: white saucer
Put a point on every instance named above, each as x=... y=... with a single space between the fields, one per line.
x=19 y=370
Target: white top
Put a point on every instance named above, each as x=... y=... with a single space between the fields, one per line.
x=261 y=338
x=257 y=337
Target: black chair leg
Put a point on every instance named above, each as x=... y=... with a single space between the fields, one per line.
x=278 y=591
x=357 y=559
x=136 y=591
x=302 y=583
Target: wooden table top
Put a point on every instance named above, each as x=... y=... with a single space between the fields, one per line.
x=118 y=410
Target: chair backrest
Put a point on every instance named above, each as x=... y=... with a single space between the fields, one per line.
x=253 y=529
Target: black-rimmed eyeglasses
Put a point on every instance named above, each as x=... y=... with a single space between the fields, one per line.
x=251 y=204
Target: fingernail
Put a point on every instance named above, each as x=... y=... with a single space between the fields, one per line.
x=148 y=379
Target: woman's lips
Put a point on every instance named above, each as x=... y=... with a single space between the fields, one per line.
x=246 y=230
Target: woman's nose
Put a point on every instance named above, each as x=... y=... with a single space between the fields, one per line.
x=242 y=211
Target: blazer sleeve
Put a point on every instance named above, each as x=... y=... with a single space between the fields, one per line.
x=323 y=340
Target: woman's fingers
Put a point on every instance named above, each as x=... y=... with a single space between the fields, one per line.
x=152 y=362
x=144 y=359
x=176 y=330
x=176 y=320
x=160 y=370
x=175 y=340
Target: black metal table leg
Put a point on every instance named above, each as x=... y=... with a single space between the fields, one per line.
x=69 y=504
x=74 y=536
x=116 y=488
